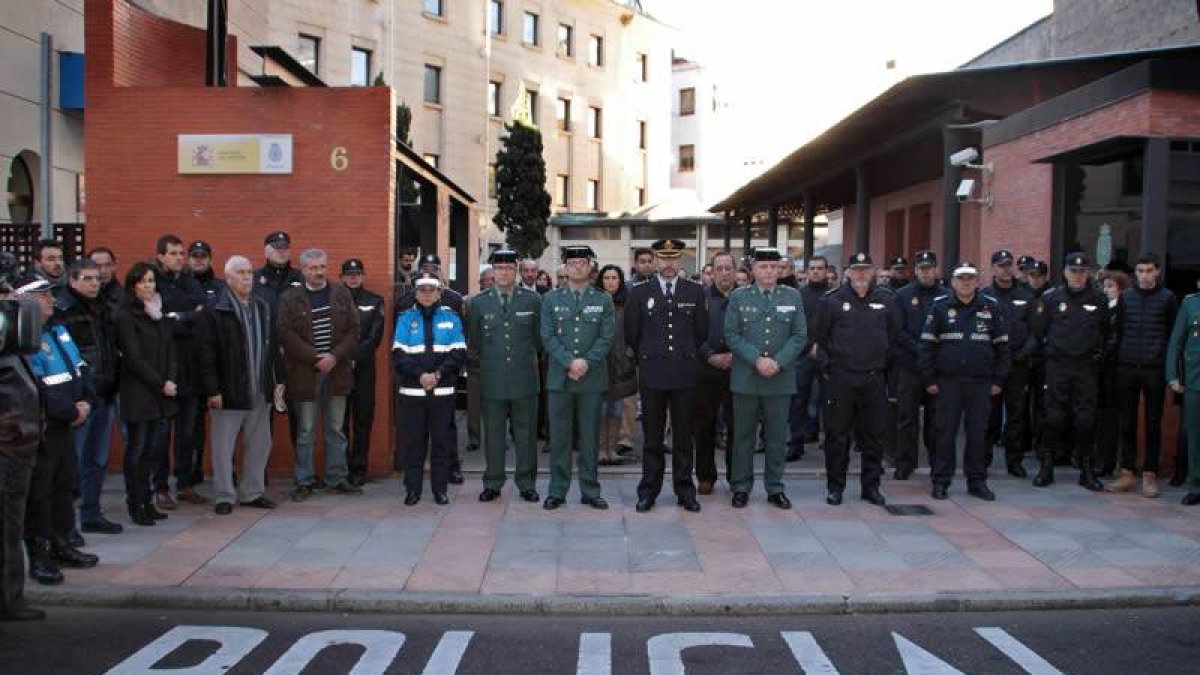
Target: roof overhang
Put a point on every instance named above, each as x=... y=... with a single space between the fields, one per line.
x=277 y=62
x=417 y=164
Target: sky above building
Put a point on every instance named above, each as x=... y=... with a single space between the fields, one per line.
x=789 y=69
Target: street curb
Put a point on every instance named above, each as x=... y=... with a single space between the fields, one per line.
x=397 y=602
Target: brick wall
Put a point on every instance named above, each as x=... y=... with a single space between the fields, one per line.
x=140 y=49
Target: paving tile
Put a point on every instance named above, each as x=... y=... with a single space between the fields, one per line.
x=1028 y=579
x=1127 y=557
x=523 y=560
x=523 y=582
x=1162 y=540
x=816 y=581
x=904 y=543
x=1014 y=559
x=937 y=560
x=802 y=561
x=655 y=561
x=1099 y=577
x=873 y=560
x=1064 y=558
x=390 y=578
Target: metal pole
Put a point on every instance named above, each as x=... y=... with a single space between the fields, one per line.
x=810 y=217
x=47 y=165
x=951 y=213
x=773 y=227
x=747 y=222
x=862 y=210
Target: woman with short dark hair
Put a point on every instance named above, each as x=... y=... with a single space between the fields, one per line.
x=622 y=371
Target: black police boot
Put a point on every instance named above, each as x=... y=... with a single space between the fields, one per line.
x=41 y=568
x=1181 y=470
x=139 y=516
x=1087 y=476
x=66 y=555
x=1045 y=475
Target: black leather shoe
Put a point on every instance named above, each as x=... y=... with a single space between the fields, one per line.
x=779 y=499
x=223 y=508
x=902 y=473
x=530 y=495
x=795 y=454
x=689 y=504
x=41 y=568
x=154 y=513
x=1045 y=475
x=412 y=498
x=552 y=503
x=874 y=496
x=834 y=498
x=139 y=516
x=66 y=555
x=440 y=498
x=23 y=613
x=1191 y=499
x=644 y=504
x=940 y=492
x=259 y=503
x=357 y=480
x=981 y=492
x=74 y=538
x=740 y=499
x=101 y=525
x=489 y=495
x=1087 y=477
x=1017 y=470
x=595 y=503
x=456 y=477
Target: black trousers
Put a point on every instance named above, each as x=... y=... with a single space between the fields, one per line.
x=855 y=402
x=1010 y=415
x=50 y=509
x=15 y=474
x=911 y=398
x=199 y=439
x=1071 y=399
x=806 y=376
x=967 y=403
x=656 y=404
x=141 y=445
x=360 y=418
x=1134 y=382
x=176 y=445
x=1035 y=406
x=426 y=422
x=712 y=398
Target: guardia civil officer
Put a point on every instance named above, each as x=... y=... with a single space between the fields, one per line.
x=1073 y=325
x=766 y=330
x=1183 y=376
x=912 y=305
x=360 y=405
x=577 y=328
x=1016 y=300
x=855 y=333
x=666 y=324
x=429 y=351
x=503 y=332
x=964 y=361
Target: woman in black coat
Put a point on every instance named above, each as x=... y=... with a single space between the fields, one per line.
x=148 y=390
x=622 y=372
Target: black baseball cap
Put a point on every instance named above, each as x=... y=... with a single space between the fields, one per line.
x=200 y=247
x=1002 y=257
x=926 y=259
x=860 y=260
x=276 y=238
x=353 y=266
x=1041 y=267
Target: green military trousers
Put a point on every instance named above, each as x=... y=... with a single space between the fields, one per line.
x=747 y=409
x=571 y=412
x=496 y=414
x=1191 y=423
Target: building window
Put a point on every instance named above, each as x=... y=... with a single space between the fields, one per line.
x=433 y=84
x=687 y=101
x=360 y=67
x=435 y=8
x=641 y=134
x=687 y=158
x=496 y=17
x=432 y=159
x=491 y=178
x=595 y=121
x=596 y=51
x=641 y=194
x=566 y=40
x=562 y=191
x=643 y=67
x=308 y=53
x=593 y=194
x=531 y=102
x=20 y=191
x=530 y=33
x=563 y=114
x=494 y=98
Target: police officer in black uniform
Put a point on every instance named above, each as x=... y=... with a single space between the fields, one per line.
x=200 y=261
x=666 y=324
x=1072 y=323
x=912 y=305
x=360 y=405
x=855 y=330
x=964 y=361
x=898 y=266
x=1009 y=409
x=1037 y=277
x=277 y=275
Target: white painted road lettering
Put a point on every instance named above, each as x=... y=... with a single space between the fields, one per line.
x=235 y=644
x=381 y=648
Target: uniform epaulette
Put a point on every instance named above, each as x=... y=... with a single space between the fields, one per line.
x=830 y=291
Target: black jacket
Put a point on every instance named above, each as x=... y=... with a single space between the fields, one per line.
x=714 y=342
x=856 y=334
x=270 y=282
x=91 y=327
x=912 y=305
x=112 y=294
x=666 y=337
x=223 y=364
x=1073 y=324
x=211 y=287
x=181 y=298
x=810 y=295
x=1143 y=326
x=967 y=341
x=370 y=326
x=1018 y=304
x=20 y=409
x=148 y=361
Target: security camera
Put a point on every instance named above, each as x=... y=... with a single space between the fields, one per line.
x=964 y=157
x=965 y=188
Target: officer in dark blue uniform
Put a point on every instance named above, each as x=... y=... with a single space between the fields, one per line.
x=1072 y=323
x=964 y=361
x=855 y=330
x=666 y=324
x=912 y=305
x=898 y=266
x=1009 y=409
x=360 y=405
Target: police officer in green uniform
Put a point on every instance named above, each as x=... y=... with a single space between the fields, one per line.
x=1183 y=375
x=577 y=329
x=766 y=330
x=502 y=331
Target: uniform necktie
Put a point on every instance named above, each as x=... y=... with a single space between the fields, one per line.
x=578 y=297
x=504 y=302
x=669 y=294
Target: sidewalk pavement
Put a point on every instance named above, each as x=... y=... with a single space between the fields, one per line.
x=1061 y=542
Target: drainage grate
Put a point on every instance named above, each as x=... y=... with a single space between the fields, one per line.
x=908 y=510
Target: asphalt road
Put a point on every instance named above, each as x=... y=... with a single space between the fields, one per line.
x=84 y=641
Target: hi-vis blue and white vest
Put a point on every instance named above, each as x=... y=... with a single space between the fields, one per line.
x=414 y=356
x=59 y=369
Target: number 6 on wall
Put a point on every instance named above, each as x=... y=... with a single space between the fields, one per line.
x=339 y=159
